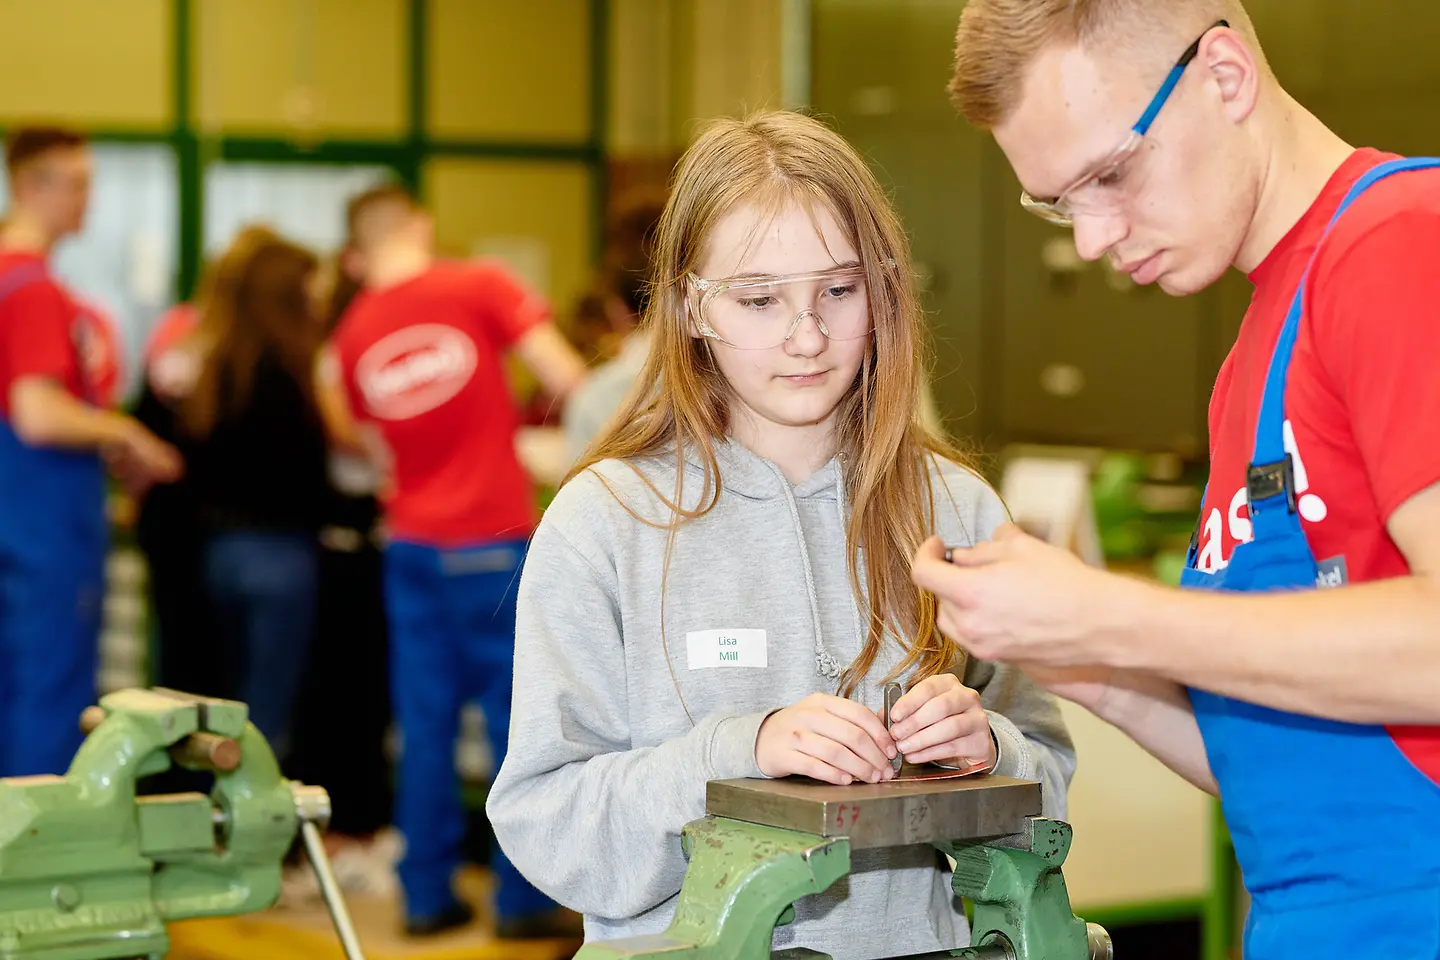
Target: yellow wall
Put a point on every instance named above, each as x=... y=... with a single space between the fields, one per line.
x=301 y=68
x=496 y=71
x=86 y=62
x=511 y=70
x=736 y=62
x=537 y=212
x=677 y=63
x=288 y=69
x=643 y=38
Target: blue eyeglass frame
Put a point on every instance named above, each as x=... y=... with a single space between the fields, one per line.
x=1049 y=209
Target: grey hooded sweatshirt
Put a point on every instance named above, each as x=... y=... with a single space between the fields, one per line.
x=617 y=725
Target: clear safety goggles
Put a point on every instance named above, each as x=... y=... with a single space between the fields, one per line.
x=757 y=313
x=1102 y=192
x=1110 y=184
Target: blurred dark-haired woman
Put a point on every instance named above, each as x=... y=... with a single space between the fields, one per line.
x=242 y=411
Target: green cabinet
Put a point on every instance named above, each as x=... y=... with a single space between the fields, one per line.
x=879 y=72
x=1088 y=357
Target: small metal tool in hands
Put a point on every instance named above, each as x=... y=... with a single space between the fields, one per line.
x=892 y=696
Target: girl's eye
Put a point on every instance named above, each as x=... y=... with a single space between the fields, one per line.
x=756 y=303
x=840 y=291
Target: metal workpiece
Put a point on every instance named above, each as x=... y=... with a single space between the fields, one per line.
x=889 y=814
x=892 y=696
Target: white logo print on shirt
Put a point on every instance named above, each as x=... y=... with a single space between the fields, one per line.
x=414 y=370
x=1312 y=509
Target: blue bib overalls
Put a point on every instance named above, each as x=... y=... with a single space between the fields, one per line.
x=53 y=540
x=1334 y=828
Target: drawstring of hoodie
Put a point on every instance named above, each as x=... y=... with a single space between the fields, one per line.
x=825 y=665
x=845 y=531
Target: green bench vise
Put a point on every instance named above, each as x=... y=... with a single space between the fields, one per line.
x=766 y=843
x=90 y=871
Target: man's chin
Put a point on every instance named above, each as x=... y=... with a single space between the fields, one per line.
x=1171 y=287
x=1185 y=282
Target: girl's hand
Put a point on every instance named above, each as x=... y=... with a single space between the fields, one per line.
x=826 y=738
x=940 y=720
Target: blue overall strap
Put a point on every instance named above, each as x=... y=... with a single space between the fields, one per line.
x=1192 y=552
x=1269 y=468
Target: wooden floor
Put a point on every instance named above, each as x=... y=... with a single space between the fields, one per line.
x=307 y=934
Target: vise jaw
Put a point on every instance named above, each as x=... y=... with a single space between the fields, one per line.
x=90 y=871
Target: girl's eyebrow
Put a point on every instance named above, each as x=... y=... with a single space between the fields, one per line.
x=837 y=268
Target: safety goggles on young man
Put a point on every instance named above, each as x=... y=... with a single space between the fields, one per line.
x=757 y=313
x=1106 y=186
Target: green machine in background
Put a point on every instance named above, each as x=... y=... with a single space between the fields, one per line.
x=90 y=871
x=766 y=844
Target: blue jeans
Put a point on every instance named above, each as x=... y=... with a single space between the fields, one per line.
x=452 y=639
x=49 y=651
x=264 y=587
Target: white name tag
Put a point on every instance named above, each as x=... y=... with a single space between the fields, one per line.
x=726 y=648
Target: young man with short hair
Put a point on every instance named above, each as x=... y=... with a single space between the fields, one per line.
x=415 y=374
x=54 y=431
x=1157 y=131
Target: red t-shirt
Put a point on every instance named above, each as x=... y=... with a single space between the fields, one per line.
x=43 y=332
x=1362 y=401
x=422 y=362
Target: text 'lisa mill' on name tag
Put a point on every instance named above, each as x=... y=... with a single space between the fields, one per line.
x=726 y=648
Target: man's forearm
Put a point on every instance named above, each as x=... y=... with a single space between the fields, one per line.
x=44 y=414
x=1157 y=715
x=1363 y=654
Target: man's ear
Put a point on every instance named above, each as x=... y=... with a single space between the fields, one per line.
x=1236 y=70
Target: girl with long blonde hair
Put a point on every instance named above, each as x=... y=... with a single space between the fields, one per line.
x=722 y=588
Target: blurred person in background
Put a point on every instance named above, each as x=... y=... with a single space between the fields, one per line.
x=187 y=651
x=240 y=405
x=104 y=353
x=614 y=311
x=169 y=532
x=343 y=713
x=56 y=436
x=414 y=373
x=592 y=327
